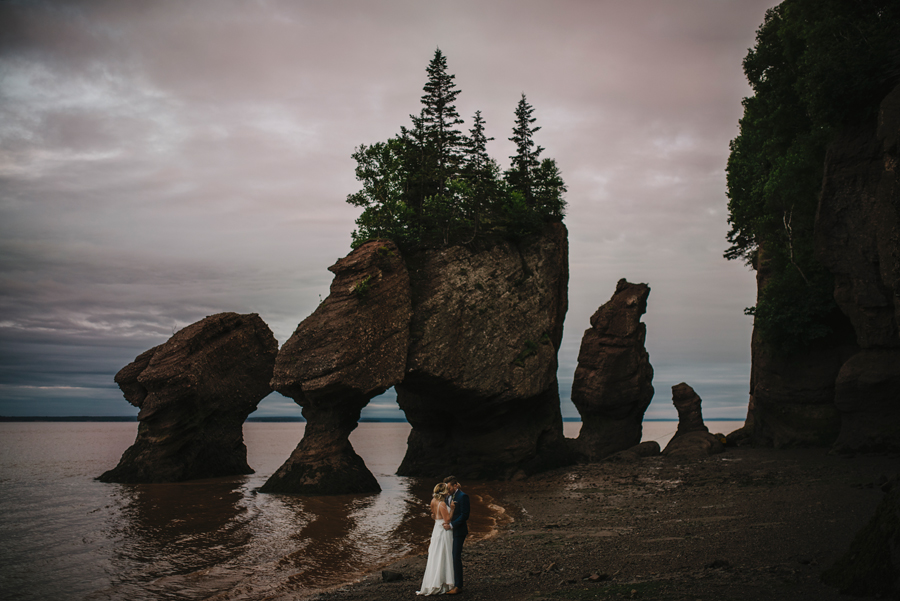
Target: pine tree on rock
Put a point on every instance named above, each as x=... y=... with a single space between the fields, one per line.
x=477 y=158
x=444 y=143
x=380 y=169
x=414 y=155
x=480 y=176
x=548 y=189
x=432 y=185
x=521 y=173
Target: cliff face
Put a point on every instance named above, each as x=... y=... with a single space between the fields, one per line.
x=792 y=395
x=352 y=348
x=480 y=388
x=194 y=393
x=613 y=381
x=857 y=234
x=858 y=239
x=845 y=391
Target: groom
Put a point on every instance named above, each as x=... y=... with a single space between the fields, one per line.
x=459 y=527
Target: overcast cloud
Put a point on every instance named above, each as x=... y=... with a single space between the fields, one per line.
x=163 y=161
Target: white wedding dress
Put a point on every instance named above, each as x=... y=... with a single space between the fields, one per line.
x=438 y=577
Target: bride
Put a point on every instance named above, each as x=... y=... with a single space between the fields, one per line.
x=439 y=569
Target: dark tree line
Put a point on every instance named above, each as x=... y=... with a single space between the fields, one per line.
x=817 y=66
x=433 y=184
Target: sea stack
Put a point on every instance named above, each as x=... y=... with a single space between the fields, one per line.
x=613 y=382
x=692 y=437
x=352 y=348
x=194 y=393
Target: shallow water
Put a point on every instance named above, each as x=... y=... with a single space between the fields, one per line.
x=68 y=536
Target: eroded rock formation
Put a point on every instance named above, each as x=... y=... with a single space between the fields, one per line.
x=692 y=438
x=792 y=395
x=352 y=348
x=613 y=381
x=194 y=393
x=858 y=239
x=480 y=388
x=846 y=389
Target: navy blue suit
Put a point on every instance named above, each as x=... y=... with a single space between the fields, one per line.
x=460 y=531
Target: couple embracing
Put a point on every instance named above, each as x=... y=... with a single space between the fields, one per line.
x=450 y=510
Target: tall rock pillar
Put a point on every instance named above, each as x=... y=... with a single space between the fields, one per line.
x=613 y=381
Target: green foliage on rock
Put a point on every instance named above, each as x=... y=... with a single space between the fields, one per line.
x=361 y=288
x=433 y=185
x=817 y=65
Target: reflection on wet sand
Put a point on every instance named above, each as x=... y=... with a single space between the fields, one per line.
x=342 y=538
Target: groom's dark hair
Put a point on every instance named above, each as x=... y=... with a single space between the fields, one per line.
x=451 y=480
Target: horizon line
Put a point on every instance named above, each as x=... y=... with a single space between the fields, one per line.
x=127 y=418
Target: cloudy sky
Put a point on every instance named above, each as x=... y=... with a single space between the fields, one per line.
x=163 y=161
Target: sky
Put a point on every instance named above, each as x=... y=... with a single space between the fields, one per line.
x=164 y=161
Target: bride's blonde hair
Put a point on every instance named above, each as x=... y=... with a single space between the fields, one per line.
x=440 y=491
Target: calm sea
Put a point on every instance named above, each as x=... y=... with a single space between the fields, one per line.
x=66 y=536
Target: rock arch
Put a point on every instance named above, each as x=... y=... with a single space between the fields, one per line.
x=467 y=335
x=351 y=349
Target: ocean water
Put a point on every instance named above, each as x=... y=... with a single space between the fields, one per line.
x=66 y=536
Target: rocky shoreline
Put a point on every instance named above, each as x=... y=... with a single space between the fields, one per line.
x=750 y=523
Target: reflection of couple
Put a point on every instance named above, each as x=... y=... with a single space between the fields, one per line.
x=450 y=510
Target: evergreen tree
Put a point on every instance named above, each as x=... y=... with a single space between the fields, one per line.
x=415 y=156
x=443 y=142
x=817 y=66
x=520 y=175
x=479 y=184
x=477 y=158
x=385 y=213
x=548 y=190
x=431 y=184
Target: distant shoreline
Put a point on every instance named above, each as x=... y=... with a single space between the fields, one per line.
x=365 y=420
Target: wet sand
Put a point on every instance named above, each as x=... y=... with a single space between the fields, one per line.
x=750 y=524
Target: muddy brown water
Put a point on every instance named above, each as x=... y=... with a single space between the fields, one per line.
x=67 y=536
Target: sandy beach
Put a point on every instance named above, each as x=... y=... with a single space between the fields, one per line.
x=750 y=524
